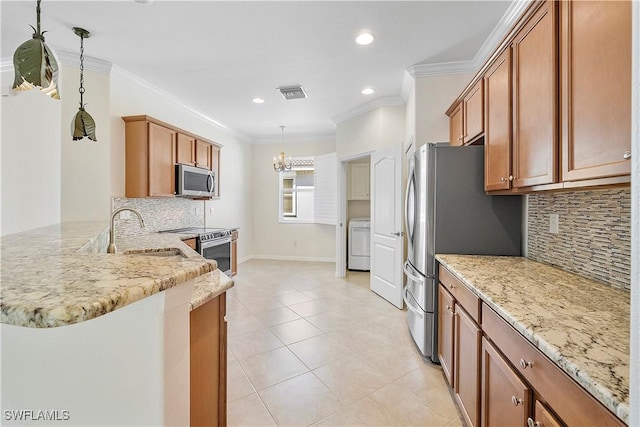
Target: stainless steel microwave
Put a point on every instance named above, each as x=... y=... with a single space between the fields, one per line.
x=194 y=182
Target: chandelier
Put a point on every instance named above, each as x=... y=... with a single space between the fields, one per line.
x=35 y=65
x=281 y=163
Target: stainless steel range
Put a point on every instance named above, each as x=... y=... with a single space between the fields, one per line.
x=212 y=243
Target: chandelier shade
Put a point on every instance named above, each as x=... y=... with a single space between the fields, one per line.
x=34 y=64
x=282 y=163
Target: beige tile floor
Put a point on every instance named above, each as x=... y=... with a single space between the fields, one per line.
x=307 y=348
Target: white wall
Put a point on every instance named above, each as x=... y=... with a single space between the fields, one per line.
x=371 y=131
x=30 y=159
x=86 y=185
x=285 y=241
x=131 y=96
x=433 y=96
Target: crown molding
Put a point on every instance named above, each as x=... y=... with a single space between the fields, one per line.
x=441 y=68
x=179 y=103
x=72 y=59
x=388 y=101
x=511 y=15
x=408 y=83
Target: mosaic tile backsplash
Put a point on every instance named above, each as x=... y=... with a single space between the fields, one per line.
x=159 y=214
x=594 y=238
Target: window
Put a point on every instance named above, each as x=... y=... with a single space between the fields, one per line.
x=308 y=191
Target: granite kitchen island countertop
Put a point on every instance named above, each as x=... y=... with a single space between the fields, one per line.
x=61 y=274
x=581 y=325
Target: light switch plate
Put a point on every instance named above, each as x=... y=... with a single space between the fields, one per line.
x=554 y=223
x=210 y=211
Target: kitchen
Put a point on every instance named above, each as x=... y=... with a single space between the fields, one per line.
x=101 y=165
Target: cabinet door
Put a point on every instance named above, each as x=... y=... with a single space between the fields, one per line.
x=497 y=134
x=208 y=360
x=456 y=133
x=445 y=333
x=543 y=417
x=162 y=159
x=215 y=167
x=596 y=88
x=467 y=366
x=185 y=153
x=359 y=178
x=203 y=155
x=234 y=257
x=506 y=399
x=473 y=113
x=535 y=100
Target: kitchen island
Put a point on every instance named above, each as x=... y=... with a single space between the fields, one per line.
x=581 y=326
x=90 y=338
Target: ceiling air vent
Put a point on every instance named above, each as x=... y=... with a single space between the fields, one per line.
x=292 y=92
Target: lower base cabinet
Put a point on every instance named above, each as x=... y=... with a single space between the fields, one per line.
x=209 y=363
x=505 y=398
x=467 y=367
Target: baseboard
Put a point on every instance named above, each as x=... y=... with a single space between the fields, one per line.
x=285 y=258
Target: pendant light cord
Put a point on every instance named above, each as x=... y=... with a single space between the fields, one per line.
x=81 y=90
x=38 y=17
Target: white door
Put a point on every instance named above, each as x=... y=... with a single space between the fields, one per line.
x=386 y=224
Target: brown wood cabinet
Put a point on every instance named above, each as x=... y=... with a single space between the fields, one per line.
x=506 y=399
x=150 y=158
x=208 y=357
x=152 y=148
x=535 y=94
x=473 y=113
x=467 y=365
x=459 y=343
x=543 y=417
x=185 y=152
x=191 y=243
x=456 y=131
x=497 y=134
x=596 y=89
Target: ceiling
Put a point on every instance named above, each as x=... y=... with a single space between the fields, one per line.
x=215 y=56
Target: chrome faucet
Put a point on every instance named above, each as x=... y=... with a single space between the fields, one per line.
x=112 y=245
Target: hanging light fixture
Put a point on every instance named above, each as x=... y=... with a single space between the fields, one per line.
x=281 y=163
x=35 y=65
x=82 y=124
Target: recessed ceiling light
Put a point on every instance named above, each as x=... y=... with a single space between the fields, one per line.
x=364 y=39
x=258 y=100
x=367 y=91
x=144 y=2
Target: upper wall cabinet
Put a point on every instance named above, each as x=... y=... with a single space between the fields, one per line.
x=596 y=89
x=535 y=143
x=466 y=118
x=152 y=149
x=557 y=100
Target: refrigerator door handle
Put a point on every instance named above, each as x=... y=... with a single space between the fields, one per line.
x=408 y=270
x=406 y=203
x=409 y=306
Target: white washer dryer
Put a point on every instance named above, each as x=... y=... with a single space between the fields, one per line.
x=359 y=244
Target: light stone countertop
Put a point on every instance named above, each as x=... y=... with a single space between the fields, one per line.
x=581 y=325
x=61 y=274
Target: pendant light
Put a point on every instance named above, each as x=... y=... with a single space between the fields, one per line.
x=82 y=124
x=35 y=65
x=281 y=163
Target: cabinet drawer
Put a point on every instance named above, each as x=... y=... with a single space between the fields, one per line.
x=467 y=299
x=571 y=402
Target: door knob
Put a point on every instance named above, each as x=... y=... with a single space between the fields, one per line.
x=503 y=179
x=398 y=233
x=516 y=401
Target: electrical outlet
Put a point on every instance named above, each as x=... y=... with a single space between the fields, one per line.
x=554 y=223
x=125 y=215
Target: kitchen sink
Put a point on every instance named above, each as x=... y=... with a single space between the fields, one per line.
x=158 y=253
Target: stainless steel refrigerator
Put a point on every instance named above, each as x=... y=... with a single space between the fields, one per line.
x=448 y=212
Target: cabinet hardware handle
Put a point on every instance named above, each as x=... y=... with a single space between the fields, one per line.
x=516 y=401
x=531 y=423
x=511 y=178
x=452 y=287
x=448 y=307
x=503 y=179
x=626 y=155
x=525 y=364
